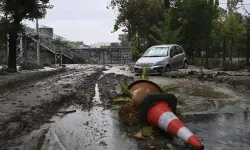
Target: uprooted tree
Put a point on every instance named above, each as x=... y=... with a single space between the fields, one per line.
x=15 y=11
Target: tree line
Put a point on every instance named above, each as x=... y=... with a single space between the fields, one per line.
x=200 y=26
x=12 y=13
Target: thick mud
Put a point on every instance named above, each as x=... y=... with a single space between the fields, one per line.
x=26 y=108
x=18 y=79
x=201 y=97
x=239 y=80
x=218 y=114
x=110 y=86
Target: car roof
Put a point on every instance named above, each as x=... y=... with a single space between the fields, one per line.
x=165 y=45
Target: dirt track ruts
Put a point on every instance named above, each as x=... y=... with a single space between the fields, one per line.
x=21 y=116
x=18 y=79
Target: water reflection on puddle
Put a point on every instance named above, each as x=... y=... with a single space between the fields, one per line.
x=221 y=131
x=97 y=129
x=94 y=129
x=100 y=129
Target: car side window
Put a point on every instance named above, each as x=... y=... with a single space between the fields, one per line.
x=179 y=50
x=173 y=51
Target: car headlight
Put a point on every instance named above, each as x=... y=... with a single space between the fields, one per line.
x=137 y=64
x=159 y=63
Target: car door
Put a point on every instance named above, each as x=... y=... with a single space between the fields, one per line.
x=173 y=61
x=180 y=56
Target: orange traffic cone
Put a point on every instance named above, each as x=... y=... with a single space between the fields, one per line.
x=157 y=110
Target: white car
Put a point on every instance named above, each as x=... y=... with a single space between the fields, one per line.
x=162 y=58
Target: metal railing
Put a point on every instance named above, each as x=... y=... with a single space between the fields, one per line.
x=46 y=41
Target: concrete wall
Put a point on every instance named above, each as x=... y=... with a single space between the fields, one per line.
x=104 y=56
x=47 y=57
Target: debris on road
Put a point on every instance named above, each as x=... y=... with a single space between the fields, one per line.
x=133 y=95
x=159 y=110
x=66 y=112
x=141 y=97
x=85 y=101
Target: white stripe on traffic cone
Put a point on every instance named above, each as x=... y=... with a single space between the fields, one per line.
x=161 y=115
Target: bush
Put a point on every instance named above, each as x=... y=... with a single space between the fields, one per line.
x=3 y=71
x=215 y=63
x=30 y=66
x=227 y=66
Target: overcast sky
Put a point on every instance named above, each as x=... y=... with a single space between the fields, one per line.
x=85 y=20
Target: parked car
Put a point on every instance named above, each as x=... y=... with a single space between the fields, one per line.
x=162 y=58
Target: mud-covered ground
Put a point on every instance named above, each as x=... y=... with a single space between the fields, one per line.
x=26 y=107
x=71 y=109
x=30 y=100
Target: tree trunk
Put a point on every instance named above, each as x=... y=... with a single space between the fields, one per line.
x=148 y=40
x=12 y=51
x=218 y=50
x=206 y=55
x=224 y=49
x=138 y=44
x=167 y=4
x=231 y=50
x=248 y=46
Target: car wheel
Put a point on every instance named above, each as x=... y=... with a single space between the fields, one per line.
x=167 y=69
x=185 y=65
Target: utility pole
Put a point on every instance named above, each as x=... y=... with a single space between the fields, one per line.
x=248 y=42
x=7 y=44
x=38 y=43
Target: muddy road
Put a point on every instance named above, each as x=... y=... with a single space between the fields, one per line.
x=72 y=110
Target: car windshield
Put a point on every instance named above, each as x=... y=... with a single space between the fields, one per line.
x=156 y=52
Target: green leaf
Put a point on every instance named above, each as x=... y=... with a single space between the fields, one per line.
x=167 y=88
x=146 y=131
x=126 y=91
x=144 y=75
x=120 y=100
x=178 y=113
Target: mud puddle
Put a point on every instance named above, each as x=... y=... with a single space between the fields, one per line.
x=213 y=112
x=124 y=70
x=221 y=131
x=206 y=115
x=206 y=96
x=93 y=129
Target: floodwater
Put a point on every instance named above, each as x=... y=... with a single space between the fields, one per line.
x=216 y=114
x=94 y=129
x=221 y=131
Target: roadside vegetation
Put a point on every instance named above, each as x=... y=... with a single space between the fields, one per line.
x=202 y=28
